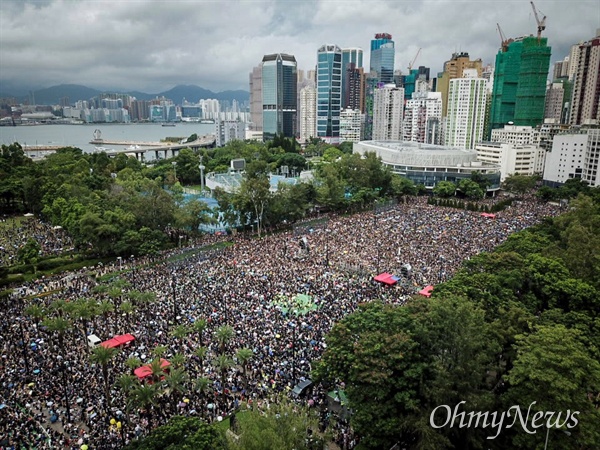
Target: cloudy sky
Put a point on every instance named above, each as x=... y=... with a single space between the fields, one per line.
x=152 y=45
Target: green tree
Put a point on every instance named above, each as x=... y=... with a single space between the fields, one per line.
x=471 y=189
x=29 y=252
x=554 y=369
x=102 y=356
x=223 y=335
x=519 y=184
x=444 y=189
x=181 y=433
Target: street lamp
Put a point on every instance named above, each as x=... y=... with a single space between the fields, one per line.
x=568 y=433
x=173 y=282
x=120 y=262
x=174 y=163
x=133 y=269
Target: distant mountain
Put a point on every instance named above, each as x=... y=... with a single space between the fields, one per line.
x=75 y=92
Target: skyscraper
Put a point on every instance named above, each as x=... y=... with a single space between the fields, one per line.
x=454 y=68
x=586 y=83
x=423 y=118
x=256 y=110
x=308 y=113
x=279 y=84
x=519 y=90
x=382 y=57
x=388 y=109
x=352 y=60
x=353 y=94
x=466 y=110
x=329 y=92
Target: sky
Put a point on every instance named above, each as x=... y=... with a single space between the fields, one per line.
x=152 y=46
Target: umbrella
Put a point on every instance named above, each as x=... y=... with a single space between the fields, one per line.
x=84 y=447
x=28 y=215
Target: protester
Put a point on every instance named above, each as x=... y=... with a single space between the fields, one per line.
x=248 y=286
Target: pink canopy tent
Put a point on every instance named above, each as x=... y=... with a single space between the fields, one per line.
x=386 y=278
x=117 y=341
x=426 y=291
x=488 y=215
x=146 y=371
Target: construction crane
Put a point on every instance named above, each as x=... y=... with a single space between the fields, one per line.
x=503 y=40
x=541 y=24
x=411 y=64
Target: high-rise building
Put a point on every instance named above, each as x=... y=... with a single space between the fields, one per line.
x=371 y=85
x=466 y=110
x=308 y=113
x=388 y=109
x=454 y=68
x=558 y=96
x=574 y=156
x=351 y=125
x=279 y=84
x=513 y=159
x=351 y=57
x=353 y=94
x=413 y=79
x=229 y=130
x=520 y=76
x=329 y=92
x=423 y=118
x=383 y=53
x=586 y=84
x=517 y=135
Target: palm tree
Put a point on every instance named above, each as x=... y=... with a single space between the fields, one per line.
x=84 y=310
x=144 y=396
x=126 y=383
x=159 y=351
x=103 y=355
x=59 y=326
x=175 y=382
x=36 y=312
x=156 y=369
x=243 y=355
x=199 y=327
x=105 y=308
x=224 y=334
x=223 y=363
x=180 y=332
x=133 y=362
x=178 y=360
x=115 y=292
x=127 y=308
x=200 y=352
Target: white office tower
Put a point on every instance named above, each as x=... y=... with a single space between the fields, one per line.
x=229 y=130
x=513 y=159
x=388 y=106
x=574 y=156
x=466 y=110
x=351 y=121
x=423 y=117
x=308 y=113
x=515 y=134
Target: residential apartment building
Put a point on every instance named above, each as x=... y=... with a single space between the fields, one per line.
x=388 y=106
x=466 y=111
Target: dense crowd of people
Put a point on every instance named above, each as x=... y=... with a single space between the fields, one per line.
x=14 y=234
x=251 y=286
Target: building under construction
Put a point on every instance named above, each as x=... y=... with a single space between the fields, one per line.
x=520 y=79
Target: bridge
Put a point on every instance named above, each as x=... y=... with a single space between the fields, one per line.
x=162 y=151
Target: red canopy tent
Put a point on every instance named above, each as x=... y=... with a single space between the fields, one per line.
x=426 y=291
x=117 y=341
x=145 y=371
x=488 y=215
x=386 y=278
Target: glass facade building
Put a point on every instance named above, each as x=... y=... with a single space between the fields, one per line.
x=382 y=57
x=329 y=93
x=279 y=99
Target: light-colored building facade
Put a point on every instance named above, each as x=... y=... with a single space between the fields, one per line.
x=423 y=118
x=229 y=130
x=351 y=121
x=585 y=108
x=429 y=164
x=513 y=159
x=465 y=121
x=388 y=112
x=514 y=134
x=574 y=155
x=455 y=68
x=256 y=99
x=308 y=113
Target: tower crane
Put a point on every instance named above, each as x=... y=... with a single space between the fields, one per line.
x=541 y=24
x=410 y=65
x=503 y=40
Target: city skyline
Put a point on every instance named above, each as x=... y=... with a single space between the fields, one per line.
x=153 y=45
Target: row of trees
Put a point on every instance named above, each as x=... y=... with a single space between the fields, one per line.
x=518 y=326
